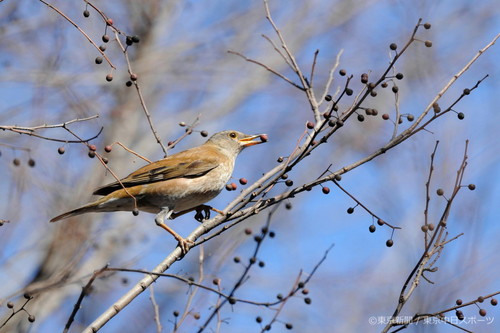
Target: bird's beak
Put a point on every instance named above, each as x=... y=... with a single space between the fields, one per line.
x=252 y=140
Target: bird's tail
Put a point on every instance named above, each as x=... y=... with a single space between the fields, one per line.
x=91 y=207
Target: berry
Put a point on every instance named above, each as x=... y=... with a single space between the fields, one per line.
x=482 y=312
x=109 y=77
x=494 y=302
x=342 y=72
x=436 y=107
x=385 y=116
x=31 y=162
x=243 y=181
x=399 y=76
x=361 y=118
x=307 y=300
x=459 y=301
x=350 y=210
x=440 y=191
x=109 y=21
x=289 y=182
x=10 y=305
x=31 y=318
x=258 y=319
x=328 y=98
x=98 y=60
x=410 y=117
x=309 y=125
x=372 y=228
x=16 y=162
x=92 y=147
x=204 y=134
x=86 y=13
x=460 y=115
x=389 y=243
x=91 y=154
x=348 y=91
x=395 y=89
x=364 y=78
x=393 y=46
x=129 y=41
x=135 y=212
x=326 y=190
x=61 y=150
x=105 y=38
x=102 y=47
x=428 y=43
x=108 y=148
x=466 y=91
x=427 y=25
x=136 y=39
x=128 y=83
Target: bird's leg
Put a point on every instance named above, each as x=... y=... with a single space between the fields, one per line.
x=184 y=244
x=202 y=212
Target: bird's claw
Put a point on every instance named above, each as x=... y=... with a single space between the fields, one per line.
x=185 y=245
x=202 y=213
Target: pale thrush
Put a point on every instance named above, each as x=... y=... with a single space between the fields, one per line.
x=178 y=183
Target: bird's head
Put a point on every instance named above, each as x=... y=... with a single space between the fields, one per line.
x=234 y=142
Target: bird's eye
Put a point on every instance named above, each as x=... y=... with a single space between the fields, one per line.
x=233 y=135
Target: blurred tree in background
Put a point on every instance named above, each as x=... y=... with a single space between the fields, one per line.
x=179 y=70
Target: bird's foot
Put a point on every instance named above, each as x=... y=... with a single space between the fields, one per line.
x=185 y=245
x=203 y=212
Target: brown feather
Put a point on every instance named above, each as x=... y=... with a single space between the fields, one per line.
x=171 y=167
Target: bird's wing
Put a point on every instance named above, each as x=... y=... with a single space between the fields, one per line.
x=186 y=164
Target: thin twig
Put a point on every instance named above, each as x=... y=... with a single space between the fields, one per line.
x=81 y=31
x=267 y=68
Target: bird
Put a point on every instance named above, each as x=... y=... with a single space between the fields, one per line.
x=177 y=184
